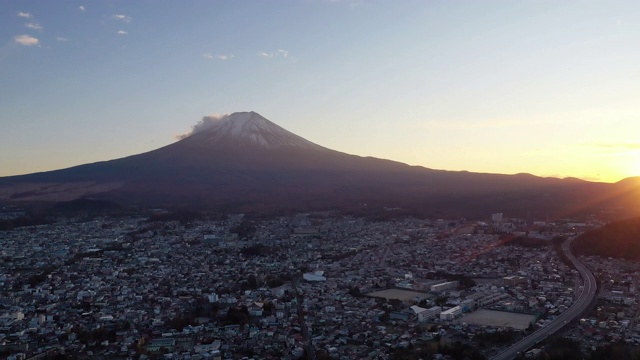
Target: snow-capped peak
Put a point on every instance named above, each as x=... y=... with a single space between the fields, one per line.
x=247 y=128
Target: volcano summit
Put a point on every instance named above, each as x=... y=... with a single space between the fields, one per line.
x=245 y=129
x=244 y=162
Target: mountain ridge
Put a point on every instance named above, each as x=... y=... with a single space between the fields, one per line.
x=253 y=164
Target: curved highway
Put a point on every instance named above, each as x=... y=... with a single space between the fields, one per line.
x=576 y=309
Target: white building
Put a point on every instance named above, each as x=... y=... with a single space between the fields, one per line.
x=425 y=314
x=314 y=276
x=445 y=286
x=451 y=314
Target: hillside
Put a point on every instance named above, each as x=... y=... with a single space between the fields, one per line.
x=620 y=239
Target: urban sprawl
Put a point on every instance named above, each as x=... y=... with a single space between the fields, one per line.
x=312 y=286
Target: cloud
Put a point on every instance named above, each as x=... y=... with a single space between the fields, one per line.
x=60 y=38
x=271 y=54
x=26 y=40
x=33 y=26
x=205 y=123
x=123 y=18
x=122 y=32
x=619 y=146
x=81 y=8
x=24 y=15
x=221 y=57
x=611 y=149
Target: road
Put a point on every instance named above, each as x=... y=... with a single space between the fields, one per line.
x=306 y=338
x=576 y=309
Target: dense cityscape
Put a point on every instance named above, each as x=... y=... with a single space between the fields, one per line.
x=316 y=285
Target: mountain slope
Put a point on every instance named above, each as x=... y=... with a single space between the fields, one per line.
x=244 y=162
x=620 y=239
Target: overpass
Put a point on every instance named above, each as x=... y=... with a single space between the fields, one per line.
x=576 y=309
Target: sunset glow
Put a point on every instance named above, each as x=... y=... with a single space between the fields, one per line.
x=543 y=87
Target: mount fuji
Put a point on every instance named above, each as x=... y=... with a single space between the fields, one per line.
x=246 y=129
x=244 y=162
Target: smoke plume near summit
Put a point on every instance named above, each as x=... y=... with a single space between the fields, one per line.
x=205 y=123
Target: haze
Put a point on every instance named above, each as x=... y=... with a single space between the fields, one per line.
x=545 y=87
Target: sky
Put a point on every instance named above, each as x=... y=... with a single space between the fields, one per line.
x=550 y=88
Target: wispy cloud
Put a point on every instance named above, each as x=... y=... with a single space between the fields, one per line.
x=60 y=38
x=271 y=54
x=81 y=8
x=205 y=123
x=610 y=149
x=123 y=18
x=221 y=57
x=284 y=53
x=25 y=15
x=618 y=146
x=33 y=26
x=122 y=32
x=26 y=40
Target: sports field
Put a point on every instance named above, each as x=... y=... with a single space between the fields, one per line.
x=398 y=294
x=497 y=319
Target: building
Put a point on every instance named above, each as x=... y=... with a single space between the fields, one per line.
x=425 y=314
x=514 y=280
x=314 y=276
x=445 y=286
x=213 y=239
x=451 y=314
x=160 y=345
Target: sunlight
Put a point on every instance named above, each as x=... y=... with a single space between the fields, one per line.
x=635 y=165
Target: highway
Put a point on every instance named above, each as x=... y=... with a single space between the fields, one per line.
x=575 y=310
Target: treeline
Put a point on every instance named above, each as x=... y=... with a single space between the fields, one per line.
x=86 y=207
x=464 y=281
x=27 y=220
x=616 y=351
x=499 y=337
x=557 y=246
x=182 y=216
x=427 y=350
x=620 y=239
x=257 y=250
x=524 y=241
x=561 y=348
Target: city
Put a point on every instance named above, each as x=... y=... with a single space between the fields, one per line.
x=233 y=288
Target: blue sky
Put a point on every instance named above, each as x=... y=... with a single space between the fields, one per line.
x=546 y=87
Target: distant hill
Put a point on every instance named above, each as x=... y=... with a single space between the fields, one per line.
x=86 y=207
x=620 y=239
x=245 y=163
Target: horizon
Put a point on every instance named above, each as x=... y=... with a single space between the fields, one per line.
x=543 y=88
x=206 y=123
